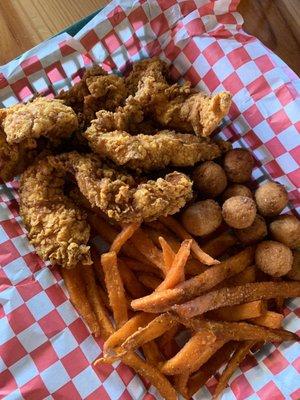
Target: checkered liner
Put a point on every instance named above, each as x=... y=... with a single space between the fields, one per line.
x=45 y=348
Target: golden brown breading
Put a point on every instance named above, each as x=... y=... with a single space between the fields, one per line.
x=153 y=67
x=94 y=92
x=74 y=96
x=147 y=153
x=56 y=226
x=24 y=128
x=40 y=117
x=119 y=196
x=123 y=119
x=180 y=108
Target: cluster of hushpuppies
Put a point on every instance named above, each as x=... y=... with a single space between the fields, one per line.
x=253 y=215
x=117 y=156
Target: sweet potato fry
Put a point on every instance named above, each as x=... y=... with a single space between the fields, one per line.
x=236 y=359
x=94 y=298
x=115 y=289
x=109 y=233
x=168 y=253
x=219 y=245
x=180 y=383
x=131 y=283
x=239 y=312
x=152 y=353
x=162 y=301
x=270 y=319
x=148 y=372
x=175 y=274
x=232 y=295
x=193 y=354
x=139 y=266
x=153 y=330
x=124 y=236
x=147 y=248
x=132 y=325
x=248 y=275
x=167 y=343
x=238 y=330
x=149 y=281
x=198 y=379
x=152 y=374
x=175 y=226
x=76 y=289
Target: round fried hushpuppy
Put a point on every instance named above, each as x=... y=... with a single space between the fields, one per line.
x=254 y=233
x=236 y=190
x=209 y=179
x=238 y=165
x=286 y=229
x=271 y=198
x=294 y=273
x=202 y=218
x=239 y=212
x=273 y=258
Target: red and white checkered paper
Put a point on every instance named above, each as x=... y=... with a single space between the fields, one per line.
x=46 y=351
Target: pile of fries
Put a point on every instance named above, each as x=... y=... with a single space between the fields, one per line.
x=159 y=285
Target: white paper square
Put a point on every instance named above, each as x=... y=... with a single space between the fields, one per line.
x=114 y=386
x=90 y=349
x=287 y=163
x=3 y=235
x=67 y=312
x=22 y=245
x=290 y=138
x=40 y=305
x=45 y=278
x=32 y=337
x=24 y=370
x=64 y=342
x=10 y=299
x=248 y=72
x=292 y=111
x=55 y=376
x=17 y=270
x=6 y=333
x=86 y=382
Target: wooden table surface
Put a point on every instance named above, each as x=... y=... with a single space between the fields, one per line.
x=25 y=23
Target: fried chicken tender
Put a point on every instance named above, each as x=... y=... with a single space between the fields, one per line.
x=180 y=108
x=147 y=153
x=56 y=226
x=27 y=129
x=153 y=67
x=118 y=195
x=125 y=118
x=97 y=90
x=40 y=117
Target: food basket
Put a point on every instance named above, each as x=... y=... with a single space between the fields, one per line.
x=46 y=351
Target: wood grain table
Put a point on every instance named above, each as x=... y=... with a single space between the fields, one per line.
x=25 y=23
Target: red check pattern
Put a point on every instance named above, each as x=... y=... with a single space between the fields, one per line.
x=46 y=350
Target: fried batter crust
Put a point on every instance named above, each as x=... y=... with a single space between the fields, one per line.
x=119 y=195
x=56 y=226
x=41 y=117
x=180 y=108
x=151 y=152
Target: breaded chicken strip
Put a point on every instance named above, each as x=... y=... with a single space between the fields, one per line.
x=180 y=108
x=97 y=90
x=153 y=67
x=56 y=226
x=119 y=196
x=40 y=117
x=148 y=153
x=27 y=129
